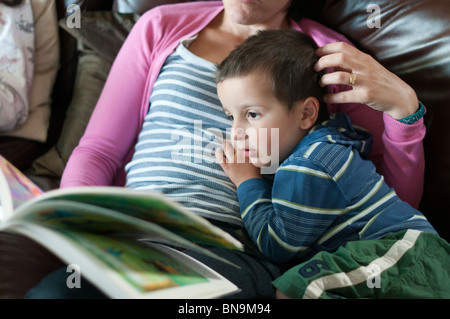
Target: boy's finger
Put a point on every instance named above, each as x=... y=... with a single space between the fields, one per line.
x=229 y=152
x=220 y=156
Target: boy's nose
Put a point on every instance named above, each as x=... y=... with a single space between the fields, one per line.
x=238 y=133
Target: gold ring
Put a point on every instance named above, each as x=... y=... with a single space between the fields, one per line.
x=352 y=79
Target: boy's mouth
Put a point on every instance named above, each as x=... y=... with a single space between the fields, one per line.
x=247 y=152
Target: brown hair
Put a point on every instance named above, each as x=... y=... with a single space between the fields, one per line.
x=286 y=57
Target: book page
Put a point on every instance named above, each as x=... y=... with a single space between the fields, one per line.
x=62 y=216
x=153 y=207
x=124 y=268
x=15 y=189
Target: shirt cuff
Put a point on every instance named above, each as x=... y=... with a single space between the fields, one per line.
x=415 y=117
x=401 y=132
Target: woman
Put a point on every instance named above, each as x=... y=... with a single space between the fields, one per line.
x=27 y=74
x=168 y=62
x=397 y=152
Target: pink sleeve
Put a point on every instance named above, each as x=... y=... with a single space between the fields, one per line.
x=115 y=123
x=397 y=150
x=404 y=159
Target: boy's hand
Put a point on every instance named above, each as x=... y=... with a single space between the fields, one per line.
x=236 y=166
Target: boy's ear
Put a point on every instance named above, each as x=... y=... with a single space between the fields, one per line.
x=309 y=111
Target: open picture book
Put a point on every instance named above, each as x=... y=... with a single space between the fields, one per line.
x=127 y=243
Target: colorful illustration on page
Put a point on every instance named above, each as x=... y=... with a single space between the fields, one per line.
x=145 y=269
x=22 y=189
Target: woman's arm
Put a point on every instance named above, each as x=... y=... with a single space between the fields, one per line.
x=115 y=123
x=398 y=149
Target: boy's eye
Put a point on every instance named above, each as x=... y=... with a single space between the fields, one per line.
x=252 y=115
x=230 y=117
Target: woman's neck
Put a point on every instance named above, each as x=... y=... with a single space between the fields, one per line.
x=242 y=31
x=220 y=36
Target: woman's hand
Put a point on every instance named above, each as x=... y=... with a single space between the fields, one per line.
x=373 y=85
x=236 y=166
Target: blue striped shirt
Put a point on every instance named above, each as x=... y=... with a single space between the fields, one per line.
x=174 y=153
x=323 y=195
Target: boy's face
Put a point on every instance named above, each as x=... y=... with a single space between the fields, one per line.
x=262 y=127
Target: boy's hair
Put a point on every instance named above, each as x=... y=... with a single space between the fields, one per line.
x=286 y=57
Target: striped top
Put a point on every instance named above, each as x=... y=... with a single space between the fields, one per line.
x=175 y=150
x=324 y=195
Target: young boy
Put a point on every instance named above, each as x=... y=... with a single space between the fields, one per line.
x=324 y=194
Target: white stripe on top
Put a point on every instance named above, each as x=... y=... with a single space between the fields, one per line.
x=175 y=150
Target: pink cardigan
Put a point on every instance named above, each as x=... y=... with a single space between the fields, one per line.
x=110 y=137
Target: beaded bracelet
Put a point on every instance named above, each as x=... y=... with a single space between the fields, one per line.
x=415 y=117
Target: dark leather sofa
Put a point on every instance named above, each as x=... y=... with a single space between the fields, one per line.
x=413 y=41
